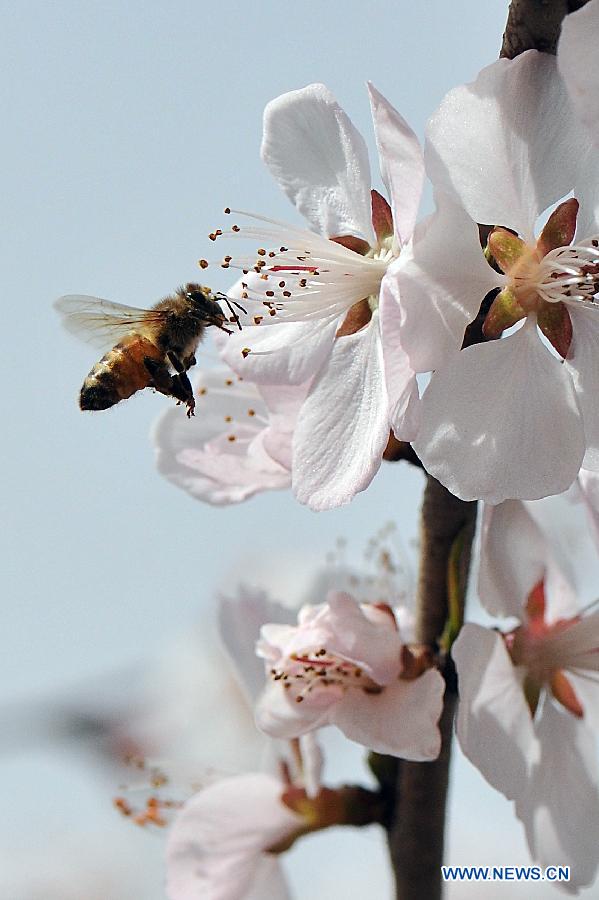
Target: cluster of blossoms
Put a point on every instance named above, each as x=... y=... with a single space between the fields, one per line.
x=339 y=321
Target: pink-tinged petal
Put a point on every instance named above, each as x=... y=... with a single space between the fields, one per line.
x=283 y=717
x=579 y=65
x=401 y=162
x=320 y=160
x=402 y=387
x=400 y=721
x=494 y=725
x=343 y=426
x=513 y=558
x=429 y=282
x=560 y=807
x=501 y=421
x=199 y=456
x=269 y=881
x=582 y=365
x=289 y=353
x=346 y=630
x=284 y=403
x=240 y=619
x=217 y=841
x=508 y=144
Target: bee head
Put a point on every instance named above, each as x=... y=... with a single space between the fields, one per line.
x=203 y=304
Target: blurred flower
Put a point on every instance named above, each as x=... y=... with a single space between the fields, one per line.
x=528 y=697
x=508 y=418
x=217 y=846
x=341 y=665
x=237 y=445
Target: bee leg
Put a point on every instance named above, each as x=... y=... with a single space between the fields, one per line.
x=183 y=390
x=177 y=386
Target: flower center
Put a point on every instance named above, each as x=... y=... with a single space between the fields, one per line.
x=317 y=671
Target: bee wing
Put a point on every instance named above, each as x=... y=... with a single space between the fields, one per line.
x=101 y=322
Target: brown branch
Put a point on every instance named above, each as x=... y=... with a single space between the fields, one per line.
x=535 y=24
x=416 y=829
x=417 y=792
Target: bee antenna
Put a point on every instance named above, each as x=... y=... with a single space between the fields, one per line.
x=230 y=304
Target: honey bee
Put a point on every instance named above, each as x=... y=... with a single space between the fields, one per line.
x=149 y=347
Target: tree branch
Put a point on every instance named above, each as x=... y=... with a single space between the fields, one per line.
x=535 y=24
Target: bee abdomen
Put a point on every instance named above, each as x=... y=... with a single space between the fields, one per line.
x=119 y=374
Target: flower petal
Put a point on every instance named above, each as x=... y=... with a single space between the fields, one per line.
x=436 y=299
x=402 y=387
x=579 y=65
x=240 y=619
x=282 y=717
x=400 y=721
x=513 y=558
x=216 y=842
x=560 y=808
x=401 y=161
x=198 y=455
x=494 y=725
x=508 y=144
x=320 y=160
x=582 y=365
x=501 y=421
x=343 y=426
x=288 y=353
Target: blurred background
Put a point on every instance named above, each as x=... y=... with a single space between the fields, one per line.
x=128 y=128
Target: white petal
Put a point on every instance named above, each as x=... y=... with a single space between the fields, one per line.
x=216 y=841
x=579 y=63
x=240 y=619
x=494 y=725
x=589 y=486
x=560 y=808
x=400 y=721
x=401 y=161
x=269 y=881
x=441 y=279
x=501 y=421
x=582 y=365
x=286 y=353
x=320 y=160
x=343 y=426
x=402 y=387
x=515 y=555
x=281 y=717
x=508 y=144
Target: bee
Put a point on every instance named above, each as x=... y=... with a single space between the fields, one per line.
x=149 y=347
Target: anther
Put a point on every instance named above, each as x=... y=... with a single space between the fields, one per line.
x=227 y=211
x=245 y=352
x=203 y=263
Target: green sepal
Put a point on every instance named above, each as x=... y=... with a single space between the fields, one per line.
x=504 y=312
x=506 y=248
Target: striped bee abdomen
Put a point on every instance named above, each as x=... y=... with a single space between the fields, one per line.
x=119 y=374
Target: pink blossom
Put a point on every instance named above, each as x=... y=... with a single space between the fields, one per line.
x=511 y=418
x=528 y=696
x=341 y=665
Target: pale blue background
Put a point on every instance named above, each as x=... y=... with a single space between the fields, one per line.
x=126 y=130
